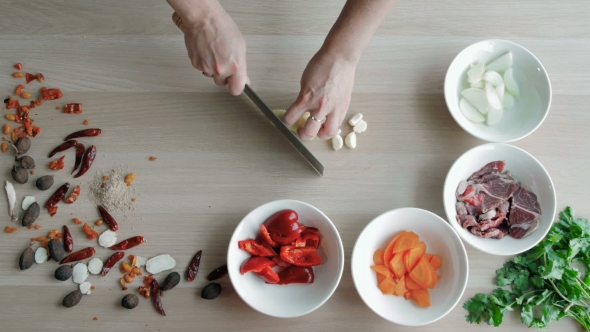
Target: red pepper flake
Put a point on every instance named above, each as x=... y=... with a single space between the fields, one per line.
x=90 y=232
x=18 y=66
x=9 y=229
x=77 y=221
x=12 y=104
x=39 y=101
x=57 y=108
x=152 y=158
x=19 y=89
x=37 y=226
x=51 y=94
x=73 y=196
x=86 y=122
x=30 y=77
x=40 y=78
x=30 y=227
x=145 y=289
x=95 y=318
x=74 y=108
x=56 y=165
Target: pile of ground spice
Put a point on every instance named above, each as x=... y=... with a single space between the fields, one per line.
x=108 y=188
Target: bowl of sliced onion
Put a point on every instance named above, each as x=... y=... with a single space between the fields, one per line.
x=497 y=91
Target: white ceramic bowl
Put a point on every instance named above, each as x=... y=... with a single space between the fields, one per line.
x=530 y=109
x=524 y=168
x=295 y=299
x=440 y=239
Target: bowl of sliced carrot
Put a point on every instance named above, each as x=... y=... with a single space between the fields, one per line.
x=409 y=266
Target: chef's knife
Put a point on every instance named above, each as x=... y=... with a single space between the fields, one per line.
x=274 y=119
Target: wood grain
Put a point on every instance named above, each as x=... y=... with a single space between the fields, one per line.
x=218 y=158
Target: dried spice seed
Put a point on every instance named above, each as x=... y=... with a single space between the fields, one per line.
x=10 y=117
x=18 y=75
x=129 y=178
x=57 y=108
x=56 y=250
x=72 y=299
x=99 y=222
x=26 y=162
x=171 y=281
x=211 y=291
x=31 y=214
x=27 y=258
x=20 y=174
x=26 y=95
x=63 y=272
x=4 y=147
x=130 y=301
x=217 y=273
x=45 y=182
x=152 y=158
x=127 y=278
x=123 y=284
x=125 y=267
x=7 y=129
x=23 y=145
x=86 y=122
x=37 y=226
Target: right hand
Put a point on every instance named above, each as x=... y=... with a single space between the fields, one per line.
x=217 y=48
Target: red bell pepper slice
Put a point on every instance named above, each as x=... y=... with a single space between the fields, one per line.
x=283 y=226
x=280 y=262
x=256 y=264
x=269 y=275
x=256 y=248
x=312 y=230
x=296 y=275
x=266 y=237
x=301 y=256
x=310 y=240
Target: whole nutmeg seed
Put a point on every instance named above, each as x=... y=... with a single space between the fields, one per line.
x=56 y=250
x=72 y=299
x=26 y=162
x=130 y=301
x=31 y=214
x=23 y=145
x=171 y=281
x=64 y=272
x=20 y=174
x=211 y=291
x=26 y=259
x=45 y=182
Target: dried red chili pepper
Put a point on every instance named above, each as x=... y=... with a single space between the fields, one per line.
x=57 y=196
x=84 y=133
x=79 y=255
x=63 y=147
x=68 y=241
x=217 y=273
x=88 y=160
x=80 y=148
x=19 y=89
x=156 y=296
x=74 y=108
x=73 y=196
x=106 y=216
x=51 y=94
x=18 y=66
x=129 y=243
x=30 y=77
x=58 y=164
x=108 y=265
x=193 y=267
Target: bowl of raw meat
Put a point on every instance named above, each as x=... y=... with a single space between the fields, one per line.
x=285 y=258
x=497 y=91
x=499 y=199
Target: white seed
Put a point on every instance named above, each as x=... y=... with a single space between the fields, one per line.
x=85 y=288
x=355 y=119
x=27 y=201
x=41 y=255
x=360 y=127
x=160 y=263
x=337 y=142
x=141 y=261
x=350 y=140
x=107 y=239
x=95 y=266
x=80 y=273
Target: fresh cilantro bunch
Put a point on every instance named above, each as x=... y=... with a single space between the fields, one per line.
x=544 y=277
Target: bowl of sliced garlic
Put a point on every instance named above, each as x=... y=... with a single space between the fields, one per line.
x=497 y=91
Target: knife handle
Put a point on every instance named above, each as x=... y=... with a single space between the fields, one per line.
x=178 y=21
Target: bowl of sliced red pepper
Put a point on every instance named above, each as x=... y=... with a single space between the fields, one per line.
x=285 y=258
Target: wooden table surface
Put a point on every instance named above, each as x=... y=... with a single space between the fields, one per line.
x=218 y=158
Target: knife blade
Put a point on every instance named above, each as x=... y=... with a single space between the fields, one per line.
x=288 y=134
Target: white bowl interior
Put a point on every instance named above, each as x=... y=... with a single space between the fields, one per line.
x=288 y=300
x=439 y=238
x=527 y=170
x=530 y=109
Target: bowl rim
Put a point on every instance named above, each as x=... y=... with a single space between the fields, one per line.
x=455 y=226
x=340 y=257
x=477 y=135
x=457 y=239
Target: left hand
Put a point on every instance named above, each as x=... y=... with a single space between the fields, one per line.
x=326 y=88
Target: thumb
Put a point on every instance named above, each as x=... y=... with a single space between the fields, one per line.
x=236 y=83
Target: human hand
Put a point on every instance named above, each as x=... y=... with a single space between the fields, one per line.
x=326 y=87
x=217 y=48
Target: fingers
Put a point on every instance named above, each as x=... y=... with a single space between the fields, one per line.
x=309 y=130
x=237 y=82
x=330 y=127
x=296 y=110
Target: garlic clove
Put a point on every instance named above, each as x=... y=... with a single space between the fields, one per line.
x=355 y=119
x=350 y=140
x=337 y=142
x=360 y=127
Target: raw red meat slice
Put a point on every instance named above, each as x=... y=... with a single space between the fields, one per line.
x=496 y=191
x=493 y=167
x=466 y=220
x=495 y=233
x=524 y=213
x=490 y=223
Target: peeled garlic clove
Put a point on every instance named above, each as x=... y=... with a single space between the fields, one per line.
x=477 y=98
x=355 y=119
x=85 y=288
x=350 y=140
x=478 y=85
x=107 y=239
x=95 y=266
x=41 y=255
x=493 y=77
x=508 y=101
x=492 y=97
x=510 y=82
x=475 y=73
x=360 y=127
x=501 y=63
x=337 y=142
x=501 y=91
x=494 y=116
x=470 y=112
x=80 y=273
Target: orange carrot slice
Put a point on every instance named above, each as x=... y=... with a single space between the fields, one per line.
x=388 y=254
x=407 y=295
x=412 y=256
x=378 y=257
x=428 y=257
x=406 y=241
x=422 y=274
x=397 y=265
x=436 y=262
x=421 y=297
x=381 y=269
x=411 y=284
x=387 y=285
x=400 y=287
x=380 y=278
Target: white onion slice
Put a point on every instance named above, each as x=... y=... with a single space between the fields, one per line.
x=501 y=91
x=470 y=112
x=493 y=77
x=475 y=74
x=492 y=96
x=501 y=63
x=508 y=102
x=478 y=85
x=477 y=98
x=510 y=82
x=494 y=116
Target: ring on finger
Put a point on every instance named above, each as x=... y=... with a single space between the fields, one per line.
x=316 y=120
x=204 y=73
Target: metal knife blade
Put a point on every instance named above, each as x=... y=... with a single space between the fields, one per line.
x=294 y=140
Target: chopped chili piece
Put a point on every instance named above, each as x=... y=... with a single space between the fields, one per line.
x=57 y=196
x=73 y=108
x=51 y=94
x=193 y=267
x=9 y=229
x=30 y=77
x=68 y=241
x=90 y=232
x=12 y=104
x=40 y=78
x=84 y=133
x=39 y=101
x=32 y=104
x=88 y=160
x=73 y=196
x=155 y=291
x=18 y=66
x=19 y=89
x=77 y=221
x=145 y=289
x=80 y=148
x=36 y=131
x=79 y=255
x=108 y=265
x=106 y=216
x=63 y=147
x=37 y=226
x=300 y=256
x=57 y=164
x=129 y=243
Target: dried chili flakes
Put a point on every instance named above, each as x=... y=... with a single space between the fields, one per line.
x=86 y=122
x=19 y=89
x=74 y=108
x=12 y=104
x=77 y=221
x=57 y=164
x=90 y=232
x=30 y=77
x=51 y=94
x=40 y=78
x=18 y=66
x=9 y=229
